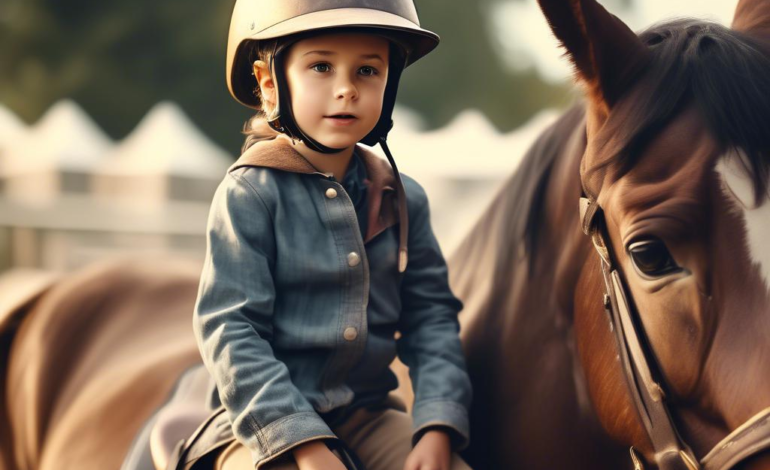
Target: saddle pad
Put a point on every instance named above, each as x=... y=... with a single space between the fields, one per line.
x=189 y=393
x=198 y=451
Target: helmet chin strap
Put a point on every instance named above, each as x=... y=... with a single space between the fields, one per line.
x=309 y=142
x=284 y=121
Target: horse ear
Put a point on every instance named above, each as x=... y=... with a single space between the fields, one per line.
x=752 y=16
x=607 y=55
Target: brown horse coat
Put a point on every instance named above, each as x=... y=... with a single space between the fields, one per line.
x=99 y=355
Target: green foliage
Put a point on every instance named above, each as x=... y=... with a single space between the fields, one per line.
x=117 y=59
x=466 y=71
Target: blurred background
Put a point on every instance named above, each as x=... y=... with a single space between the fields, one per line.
x=116 y=124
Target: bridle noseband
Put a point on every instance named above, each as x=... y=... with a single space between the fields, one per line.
x=649 y=398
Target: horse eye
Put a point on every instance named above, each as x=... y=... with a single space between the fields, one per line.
x=652 y=258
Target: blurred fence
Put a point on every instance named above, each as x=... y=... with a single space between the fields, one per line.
x=69 y=195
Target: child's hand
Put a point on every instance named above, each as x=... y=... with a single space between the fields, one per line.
x=432 y=452
x=316 y=456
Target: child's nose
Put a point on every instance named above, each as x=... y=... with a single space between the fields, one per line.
x=346 y=89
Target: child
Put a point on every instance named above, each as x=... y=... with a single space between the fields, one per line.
x=307 y=283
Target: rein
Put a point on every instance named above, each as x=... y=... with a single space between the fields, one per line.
x=671 y=452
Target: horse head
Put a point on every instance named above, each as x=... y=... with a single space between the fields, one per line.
x=675 y=178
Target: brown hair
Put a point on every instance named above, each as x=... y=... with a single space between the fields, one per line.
x=256 y=127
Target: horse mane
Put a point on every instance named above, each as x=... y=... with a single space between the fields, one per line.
x=724 y=73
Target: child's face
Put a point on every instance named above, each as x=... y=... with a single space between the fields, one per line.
x=337 y=84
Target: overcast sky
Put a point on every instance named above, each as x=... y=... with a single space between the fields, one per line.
x=526 y=40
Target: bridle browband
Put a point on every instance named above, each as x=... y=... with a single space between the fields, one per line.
x=671 y=452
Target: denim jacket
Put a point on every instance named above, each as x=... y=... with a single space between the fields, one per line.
x=297 y=314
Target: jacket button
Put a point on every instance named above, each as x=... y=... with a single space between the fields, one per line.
x=331 y=193
x=350 y=334
x=353 y=259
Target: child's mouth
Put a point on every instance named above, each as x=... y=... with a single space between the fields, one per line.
x=342 y=119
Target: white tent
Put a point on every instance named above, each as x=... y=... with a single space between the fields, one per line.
x=166 y=156
x=64 y=138
x=167 y=142
x=462 y=165
x=468 y=147
x=54 y=156
x=10 y=126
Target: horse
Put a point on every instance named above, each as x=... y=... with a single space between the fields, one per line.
x=87 y=357
x=668 y=155
x=616 y=291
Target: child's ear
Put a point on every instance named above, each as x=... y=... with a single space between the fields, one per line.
x=265 y=81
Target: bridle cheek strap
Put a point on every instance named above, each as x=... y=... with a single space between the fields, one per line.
x=670 y=451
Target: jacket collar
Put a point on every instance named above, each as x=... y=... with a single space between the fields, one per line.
x=382 y=198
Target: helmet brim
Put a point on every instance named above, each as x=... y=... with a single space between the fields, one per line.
x=418 y=41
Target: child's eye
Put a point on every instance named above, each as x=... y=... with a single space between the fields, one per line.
x=367 y=71
x=321 y=68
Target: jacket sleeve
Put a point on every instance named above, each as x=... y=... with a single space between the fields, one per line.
x=233 y=327
x=429 y=343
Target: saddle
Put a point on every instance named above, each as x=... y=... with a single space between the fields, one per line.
x=190 y=403
x=190 y=429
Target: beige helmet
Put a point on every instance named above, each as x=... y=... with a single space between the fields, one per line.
x=255 y=20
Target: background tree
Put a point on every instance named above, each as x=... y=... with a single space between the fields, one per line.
x=117 y=59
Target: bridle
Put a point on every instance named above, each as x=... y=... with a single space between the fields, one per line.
x=649 y=397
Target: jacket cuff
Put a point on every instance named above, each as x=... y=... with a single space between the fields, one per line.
x=283 y=435
x=441 y=413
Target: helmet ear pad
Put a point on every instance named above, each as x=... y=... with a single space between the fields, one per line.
x=283 y=120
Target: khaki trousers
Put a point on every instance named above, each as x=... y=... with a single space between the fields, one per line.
x=382 y=439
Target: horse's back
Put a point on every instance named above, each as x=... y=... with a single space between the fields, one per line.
x=94 y=357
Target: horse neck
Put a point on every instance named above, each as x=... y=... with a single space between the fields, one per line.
x=566 y=248
x=527 y=227
x=516 y=274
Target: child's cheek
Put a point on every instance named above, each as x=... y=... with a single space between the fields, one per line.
x=310 y=97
